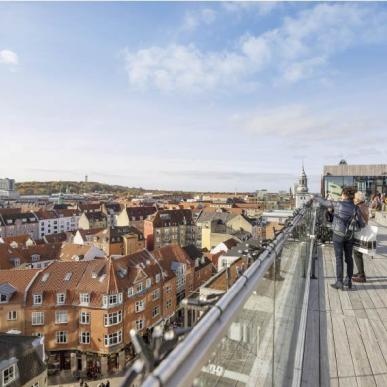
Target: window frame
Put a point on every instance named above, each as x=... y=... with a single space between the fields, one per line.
x=81 y=336
x=58 y=296
x=34 y=316
x=13 y=317
x=35 y=296
x=82 y=296
x=87 y=319
x=111 y=319
x=61 y=313
x=9 y=381
x=64 y=335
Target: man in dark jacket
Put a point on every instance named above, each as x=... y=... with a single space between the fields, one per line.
x=344 y=211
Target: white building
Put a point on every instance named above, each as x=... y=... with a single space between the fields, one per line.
x=302 y=191
x=57 y=221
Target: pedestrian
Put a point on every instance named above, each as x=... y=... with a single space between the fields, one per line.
x=107 y=384
x=358 y=256
x=85 y=385
x=343 y=213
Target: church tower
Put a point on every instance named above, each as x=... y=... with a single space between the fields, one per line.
x=302 y=191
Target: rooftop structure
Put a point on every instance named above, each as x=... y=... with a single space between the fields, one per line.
x=369 y=179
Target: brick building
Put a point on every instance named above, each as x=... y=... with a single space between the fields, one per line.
x=169 y=227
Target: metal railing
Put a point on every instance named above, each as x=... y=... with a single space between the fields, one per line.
x=254 y=334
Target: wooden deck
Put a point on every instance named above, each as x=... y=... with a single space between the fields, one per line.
x=346 y=337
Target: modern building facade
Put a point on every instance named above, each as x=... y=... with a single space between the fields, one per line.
x=369 y=179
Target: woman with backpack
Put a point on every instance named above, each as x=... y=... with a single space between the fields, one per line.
x=345 y=214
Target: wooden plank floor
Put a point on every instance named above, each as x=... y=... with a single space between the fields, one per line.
x=351 y=349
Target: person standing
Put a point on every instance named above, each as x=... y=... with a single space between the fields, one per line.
x=344 y=211
x=358 y=256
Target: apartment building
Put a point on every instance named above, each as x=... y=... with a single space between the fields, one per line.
x=135 y=216
x=167 y=227
x=19 y=223
x=86 y=309
x=123 y=240
x=92 y=220
x=13 y=286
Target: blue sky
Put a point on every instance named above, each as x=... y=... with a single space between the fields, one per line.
x=195 y=96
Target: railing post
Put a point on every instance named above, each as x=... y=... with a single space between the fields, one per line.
x=312 y=237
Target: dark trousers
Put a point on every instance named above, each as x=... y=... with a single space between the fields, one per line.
x=358 y=256
x=343 y=247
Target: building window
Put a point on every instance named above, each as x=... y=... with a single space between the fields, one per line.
x=37 y=299
x=61 y=337
x=113 y=318
x=3 y=298
x=157 y=278
x=84 y=338
x=60 y=298
x=37 y=318
x=9 y=375
x=84 y=318
x=168 y=304
x=168 y=289
x=112 y=299
x=113 y=339
x=156 y=294
x=84 y=298
x=148 y=283
x=130 y=292
x=35 y=257
x=139 y=287
x=12 y=315
x=139 y=325
x=155 y=311
x=140 y=306
x=61 y=317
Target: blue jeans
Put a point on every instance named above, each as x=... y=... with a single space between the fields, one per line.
x=343 y=247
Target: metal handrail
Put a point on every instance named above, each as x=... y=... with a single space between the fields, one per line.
x=184 y=363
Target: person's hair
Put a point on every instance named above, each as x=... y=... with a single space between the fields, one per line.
x=349 y=192
x=359 y=197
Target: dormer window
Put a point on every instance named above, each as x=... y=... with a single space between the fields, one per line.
x=37 y=299
x=60 y=298
x=9 y=375
x=84 y=298
x=139 y=287
x=110 y=300
x=3 y=298
x=35 y=257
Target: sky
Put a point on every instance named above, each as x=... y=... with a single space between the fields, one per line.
x=191 y=96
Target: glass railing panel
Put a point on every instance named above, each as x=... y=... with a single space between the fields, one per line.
x=244 y=353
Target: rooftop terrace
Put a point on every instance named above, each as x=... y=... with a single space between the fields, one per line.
x=278 y=326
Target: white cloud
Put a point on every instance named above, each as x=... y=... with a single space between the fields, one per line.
x=192 y=20
x=261 y=8
x=9 y=57
x=305 y=125
x=300 y=48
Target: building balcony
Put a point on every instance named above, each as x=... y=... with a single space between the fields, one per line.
x=279 y=325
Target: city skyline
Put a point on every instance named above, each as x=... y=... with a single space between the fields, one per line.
x=185 y=96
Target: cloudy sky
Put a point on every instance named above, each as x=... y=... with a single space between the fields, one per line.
x=196 y=96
